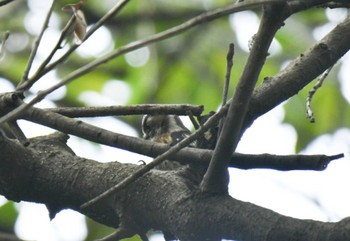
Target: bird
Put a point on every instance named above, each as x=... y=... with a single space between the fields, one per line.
x=165 y=129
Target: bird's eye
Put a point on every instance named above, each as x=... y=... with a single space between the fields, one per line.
x=146 y=129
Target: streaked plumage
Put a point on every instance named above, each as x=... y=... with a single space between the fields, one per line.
x=166 y=129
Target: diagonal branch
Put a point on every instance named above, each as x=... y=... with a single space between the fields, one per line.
x=216 y=178
x=4 y=2
x=45 y=68
x=36 y=45
x=202 y=18
x=300 y=72
x=26 y=83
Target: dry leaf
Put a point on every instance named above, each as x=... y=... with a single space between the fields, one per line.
x=80 y=22
x=2 y=43
x=80 y=26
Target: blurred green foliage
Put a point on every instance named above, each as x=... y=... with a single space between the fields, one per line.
x=8 y=216
x=188 y=68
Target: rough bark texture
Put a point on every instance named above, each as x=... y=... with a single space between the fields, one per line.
x=300 y=71
x=48 y=172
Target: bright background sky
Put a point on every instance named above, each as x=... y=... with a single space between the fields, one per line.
x=302 y=194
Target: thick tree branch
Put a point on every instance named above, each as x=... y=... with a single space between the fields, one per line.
x=152 y=149
x=215 y=174
x=48 y=172
x=300 y=72
x=67 y=125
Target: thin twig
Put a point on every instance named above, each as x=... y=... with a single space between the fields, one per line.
x=171 y=109
x=17 y=132
x=38 y=73
x=229 y=61
x=292 y=79
x=216 y=178
x=36 y=44
x=158 y=160
x=202 y=18
x=195 y=124
x=115 y=10
x=309 y=112
x=47 y=68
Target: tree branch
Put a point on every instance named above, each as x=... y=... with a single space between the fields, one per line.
x=309 y=112
x=187 y=155
x=300 y=72
x=44 y=68
x=216 y=177
x=4 y=2
x=36 y=45
x=26 y=83
x=48 y=172
x=205 y=17
x=172 y=109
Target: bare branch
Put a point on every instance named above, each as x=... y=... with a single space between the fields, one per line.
x=229 y=61
x=173 y=109
x=300 y=72
x=216 y=178
x=309 y=112
x=47 y=68
x=4 y=2
x=161 y=200
x=158 y=160
x=17 y=132
x=282 y=162
x=36 y=44
x=25 y=85
x=205 y=17
x=44 y=68
x=189 y=155
x=229 y=64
